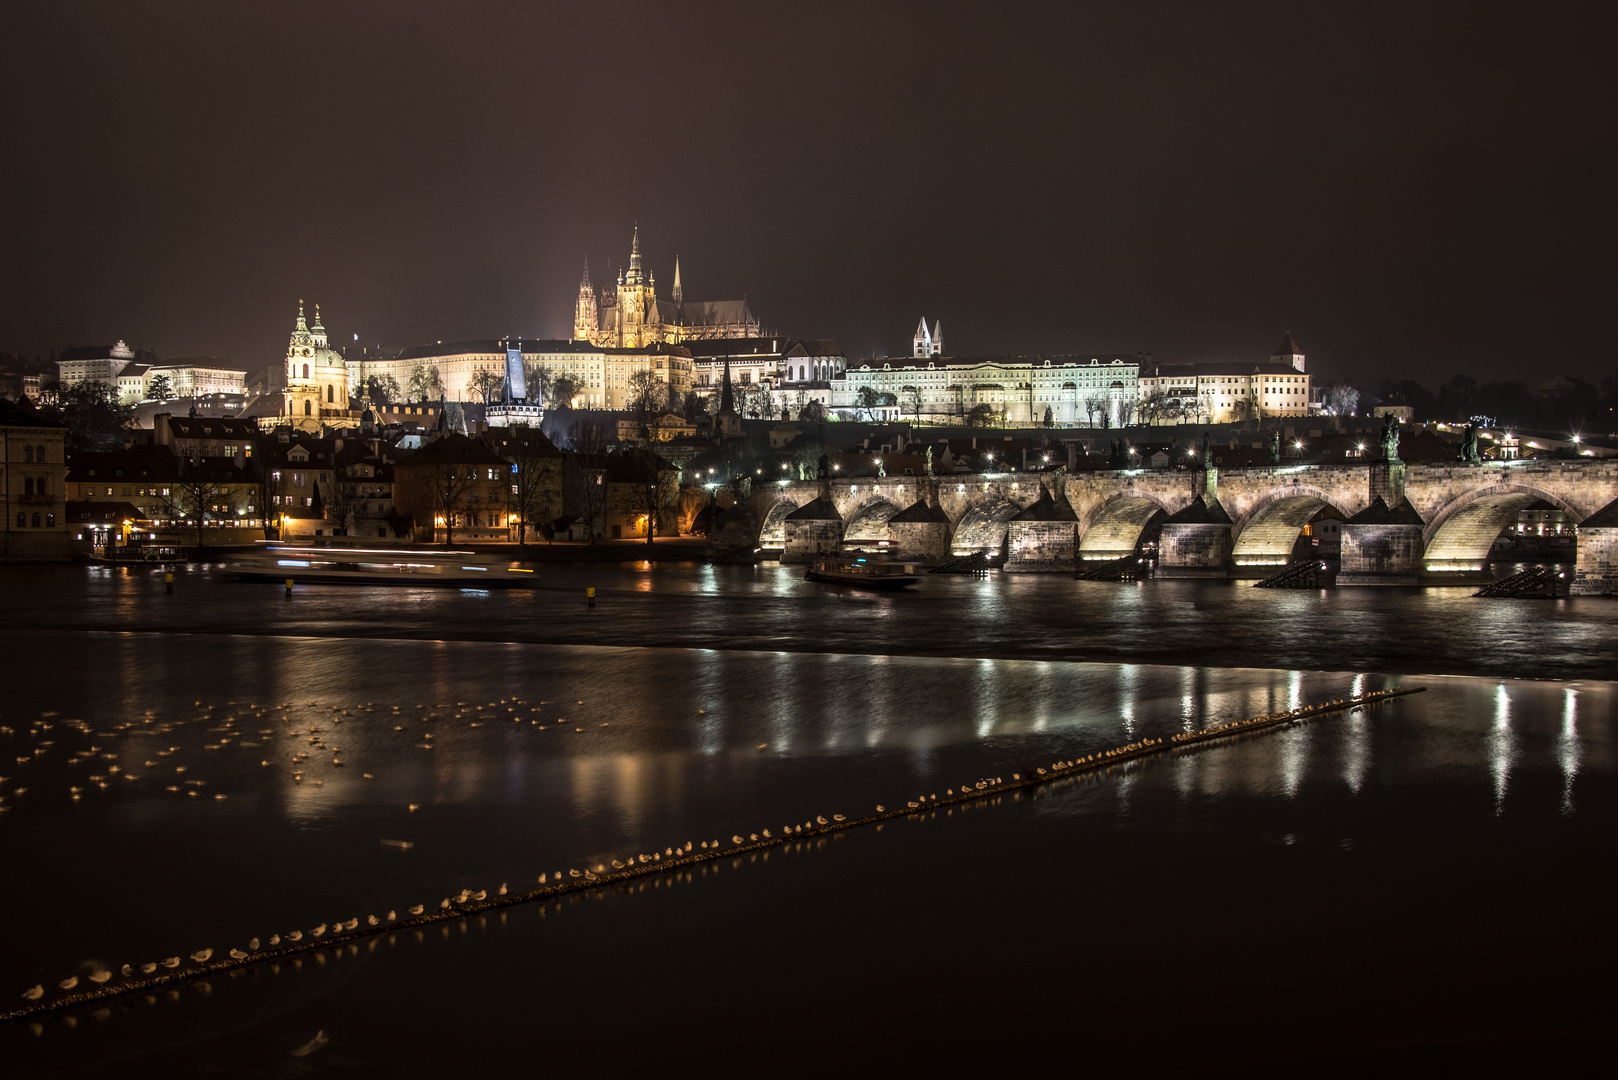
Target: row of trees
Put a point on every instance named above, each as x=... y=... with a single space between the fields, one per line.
x=1569 y=404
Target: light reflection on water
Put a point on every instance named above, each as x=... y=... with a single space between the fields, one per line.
x=841 y=731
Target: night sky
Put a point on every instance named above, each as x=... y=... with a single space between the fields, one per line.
x=1410 y=189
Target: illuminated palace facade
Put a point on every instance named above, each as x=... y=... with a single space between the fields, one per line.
x=630 y=315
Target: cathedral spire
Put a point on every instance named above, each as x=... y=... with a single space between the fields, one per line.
x=302 y=326
x=634 y=257
x=585 y=284
x=678 y=294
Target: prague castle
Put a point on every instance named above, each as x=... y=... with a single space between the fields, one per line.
x=631 y=316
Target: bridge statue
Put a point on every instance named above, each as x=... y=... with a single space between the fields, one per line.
x=823 y=467
x=1390 y=438
x=929 y=461
x=881 y=469
x=1207 y=462
x=1469 y=446
x=1275 y=447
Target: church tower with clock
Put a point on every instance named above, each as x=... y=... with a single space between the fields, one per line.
x=316 y=379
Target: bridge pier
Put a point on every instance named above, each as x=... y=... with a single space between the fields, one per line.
x=815 y=528
x=920 y=532
x=1595 y=573
x=1382 y=545
x=1196 y=542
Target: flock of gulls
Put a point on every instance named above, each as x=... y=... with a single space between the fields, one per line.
x=105 y=982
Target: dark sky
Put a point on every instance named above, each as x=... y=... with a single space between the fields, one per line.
x=1411 y=189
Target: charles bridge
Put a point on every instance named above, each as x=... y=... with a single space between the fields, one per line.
x=1400 y=522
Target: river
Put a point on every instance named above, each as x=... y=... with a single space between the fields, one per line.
x=1424 y=880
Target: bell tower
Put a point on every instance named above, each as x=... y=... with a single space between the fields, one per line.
x=303 y=387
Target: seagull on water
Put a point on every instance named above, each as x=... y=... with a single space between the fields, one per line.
x=415 y=909
x=34 y=993
x=69 y=983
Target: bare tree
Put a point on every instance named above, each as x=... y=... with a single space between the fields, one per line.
x=1098 y=407
x=751 y=400
x=1124 y=410
x=1341 y=399
x=1154 y=405
x=199 y=495
x=585 y=472
x=655 y=489
x=648 y=394
x=340 y=501
x=910 y=402
x=264 y=494
x=487 y=384
x=535 y=477
x=452 y=491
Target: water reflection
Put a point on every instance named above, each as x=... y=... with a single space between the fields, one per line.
x=1502 y=747
x=1567 y=746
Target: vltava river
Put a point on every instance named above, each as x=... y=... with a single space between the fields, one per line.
x=1423 y=881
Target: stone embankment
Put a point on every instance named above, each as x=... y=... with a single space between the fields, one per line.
x=185 y=967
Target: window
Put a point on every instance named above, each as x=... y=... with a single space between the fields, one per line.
x=109 y=493
x=28 y=455
x=329 y=398
x=308 y=409
x=50 y=521
x=28 y=484
x=36 y=520
x=306 y=371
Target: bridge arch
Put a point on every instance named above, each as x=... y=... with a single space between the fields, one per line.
x=1462 y=533
x=870 y=522
x=1113 y=529
x=983 y=528
x=773 y=534
x=1266 y=534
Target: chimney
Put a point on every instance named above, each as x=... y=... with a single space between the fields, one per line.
x=160 y=427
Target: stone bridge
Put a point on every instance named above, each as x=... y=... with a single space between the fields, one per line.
x=1400 y=521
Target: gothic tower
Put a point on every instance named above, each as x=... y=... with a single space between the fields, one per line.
x=938 y=338
x=923 y=345
x=638 y=321
x=584 y=312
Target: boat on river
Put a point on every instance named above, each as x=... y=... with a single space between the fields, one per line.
x=379 y=566
x=862 y=571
